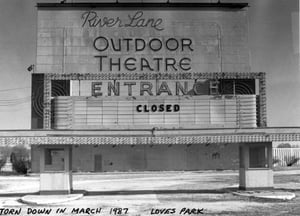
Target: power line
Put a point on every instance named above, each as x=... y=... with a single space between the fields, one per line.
x=6 y=104
x=4 y=90
x=14 y=99
x=14 y=102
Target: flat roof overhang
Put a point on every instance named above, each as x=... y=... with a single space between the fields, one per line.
x=147 y=136
x=144 y=5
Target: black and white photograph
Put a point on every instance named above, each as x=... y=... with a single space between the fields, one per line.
x=149 y=107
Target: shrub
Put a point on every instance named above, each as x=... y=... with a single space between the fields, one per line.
x=284 y=145
x=291 y=161
x=21 y=166
x=20 y=159
x=276 y=160
x=4 y=153
x=2 y=162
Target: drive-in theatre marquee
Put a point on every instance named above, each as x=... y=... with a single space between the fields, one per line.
x=146 y=68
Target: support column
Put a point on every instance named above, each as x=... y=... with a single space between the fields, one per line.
x=256 y=167
x=56 y=169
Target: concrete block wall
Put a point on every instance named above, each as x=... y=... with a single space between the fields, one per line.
x=151 y=158
x=157 y=157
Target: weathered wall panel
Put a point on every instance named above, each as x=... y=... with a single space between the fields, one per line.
x=219 y=39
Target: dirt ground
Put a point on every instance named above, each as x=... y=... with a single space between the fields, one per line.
x=157 y=193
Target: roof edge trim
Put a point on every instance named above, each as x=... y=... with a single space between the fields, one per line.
x=144 y=5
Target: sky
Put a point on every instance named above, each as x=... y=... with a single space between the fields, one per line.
x=273 y=43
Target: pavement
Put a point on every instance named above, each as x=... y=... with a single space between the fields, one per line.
x=57 y=199
x=49 y=199
x=267 y=194
x=143 y=187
